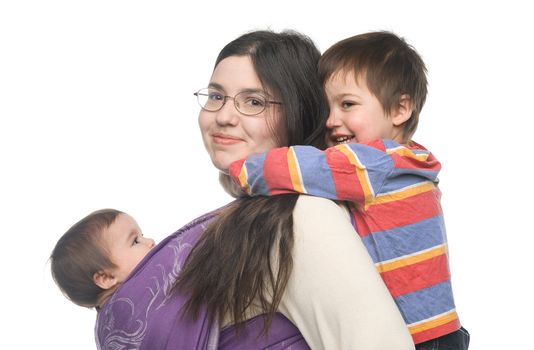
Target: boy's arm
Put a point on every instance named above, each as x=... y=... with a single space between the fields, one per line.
x=351 y=172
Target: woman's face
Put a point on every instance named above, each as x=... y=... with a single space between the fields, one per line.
x=228 y=134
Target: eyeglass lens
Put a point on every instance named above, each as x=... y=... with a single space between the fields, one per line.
x=249 y=103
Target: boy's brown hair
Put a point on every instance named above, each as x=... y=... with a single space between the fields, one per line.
x=390 y=67
x=79 y=254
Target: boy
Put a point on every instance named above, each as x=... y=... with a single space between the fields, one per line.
x=97 y=254
x=376 y=86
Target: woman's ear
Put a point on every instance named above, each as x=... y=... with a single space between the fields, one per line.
x=403 y=111
x=104 y=279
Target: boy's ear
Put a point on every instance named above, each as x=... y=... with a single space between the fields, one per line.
x=403 y=110
x=104 y=279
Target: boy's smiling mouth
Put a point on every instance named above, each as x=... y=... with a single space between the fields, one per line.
x=340 y=139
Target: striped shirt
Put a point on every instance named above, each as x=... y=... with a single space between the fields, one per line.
x=396 y=210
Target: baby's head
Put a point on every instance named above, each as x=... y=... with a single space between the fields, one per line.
x=376 y=87
x=96 y=254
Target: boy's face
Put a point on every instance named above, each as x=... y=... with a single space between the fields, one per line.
x=356 y=115
x=126 y=245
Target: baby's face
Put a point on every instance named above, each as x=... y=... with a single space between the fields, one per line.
x=126 y=245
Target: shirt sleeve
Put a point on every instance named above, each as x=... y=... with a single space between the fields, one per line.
x=335 y=296
x=346 y=172
x=349 y=172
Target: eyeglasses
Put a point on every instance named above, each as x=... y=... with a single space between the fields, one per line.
x=246 y=102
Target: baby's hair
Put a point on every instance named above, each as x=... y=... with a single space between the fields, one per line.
x=389 y=65
x=79 y=254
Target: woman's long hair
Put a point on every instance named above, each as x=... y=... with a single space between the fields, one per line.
x=232 y=266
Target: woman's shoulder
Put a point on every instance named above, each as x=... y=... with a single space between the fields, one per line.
x=199 y=221
x=320 y=218
x=317 y=208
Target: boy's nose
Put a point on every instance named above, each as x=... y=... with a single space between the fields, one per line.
x=332 y=121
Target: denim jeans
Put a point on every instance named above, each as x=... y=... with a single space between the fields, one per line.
x=458 y=340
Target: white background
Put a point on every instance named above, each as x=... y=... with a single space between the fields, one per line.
x=97 y=110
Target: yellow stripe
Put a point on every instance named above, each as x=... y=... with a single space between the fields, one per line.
x=406 y=152
x=412 y=259
x=361 y=172
x=433 y=323
x=294 y=172
x=406 y=193
x=243 y=179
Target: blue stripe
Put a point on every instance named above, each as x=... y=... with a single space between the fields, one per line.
x=419 y=151
x=390 y=144
x=404 y=240
x=377 y=163
x=426 y=303
x=255 y=178
x=401 y=182
x=428 y=174
x=431 y=175
x=315 y=172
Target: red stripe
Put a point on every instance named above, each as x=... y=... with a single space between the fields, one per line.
x=417 y=276
x=404 y=162
x=378 y=144
x=277 y=177
x=403 y=212
x=436 y=332
x=235 y=169
x=348 y=186
x=362 y=226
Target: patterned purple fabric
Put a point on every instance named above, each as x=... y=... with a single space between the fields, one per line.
x=144 y=314
x=282 y=335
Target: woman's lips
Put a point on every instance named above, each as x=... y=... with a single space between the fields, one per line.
x=222 y=139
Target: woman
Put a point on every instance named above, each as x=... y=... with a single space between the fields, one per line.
x=258 y=256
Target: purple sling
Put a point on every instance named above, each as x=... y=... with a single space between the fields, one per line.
x=143 y=314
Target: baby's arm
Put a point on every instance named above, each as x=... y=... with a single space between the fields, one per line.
x=351 y=172
x=335 y=296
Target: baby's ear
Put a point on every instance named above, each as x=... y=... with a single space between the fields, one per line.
x=104 y=279
x=403 y=111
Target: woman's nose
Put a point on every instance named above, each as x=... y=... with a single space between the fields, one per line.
x=228 y=114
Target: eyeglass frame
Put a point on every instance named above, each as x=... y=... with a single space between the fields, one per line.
x=226 y=97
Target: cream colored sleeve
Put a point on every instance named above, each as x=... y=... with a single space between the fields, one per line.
x=335 y=296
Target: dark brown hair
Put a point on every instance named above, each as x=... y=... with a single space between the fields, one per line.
x=79 y=254
x=231 y=267
x=390 y=67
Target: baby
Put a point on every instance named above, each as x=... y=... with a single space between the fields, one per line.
x=97 y=254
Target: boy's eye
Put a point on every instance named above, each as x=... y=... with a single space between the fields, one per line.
x=136 y=240
x=347 y=104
